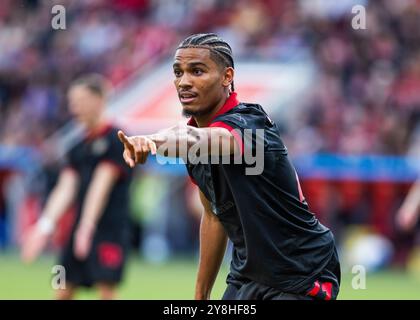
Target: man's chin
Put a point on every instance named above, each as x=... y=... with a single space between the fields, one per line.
x=194 y=111
x=187 y=112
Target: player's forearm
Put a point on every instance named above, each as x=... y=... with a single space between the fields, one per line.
x=213 y=241
x=412 y=201
x=177 y=141
x=57 y=204
x=60 y=199
x=92 y=210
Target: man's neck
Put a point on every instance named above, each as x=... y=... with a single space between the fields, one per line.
x=204 y=121
x=94 y=128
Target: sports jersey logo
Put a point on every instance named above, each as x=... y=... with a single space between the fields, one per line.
x=100 y=146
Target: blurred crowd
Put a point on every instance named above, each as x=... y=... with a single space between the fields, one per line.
x=37 y=63
x=365 y=98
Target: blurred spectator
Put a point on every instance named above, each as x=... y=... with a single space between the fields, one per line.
x=4 y=174
x=96 y=182
x=37 y=63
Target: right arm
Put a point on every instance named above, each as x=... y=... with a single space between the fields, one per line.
x=213 y=240
x=59 y=200
x=177 y=142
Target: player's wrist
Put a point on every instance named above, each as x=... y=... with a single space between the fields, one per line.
x=45 y=225
x=202 y=292
x=201 y=296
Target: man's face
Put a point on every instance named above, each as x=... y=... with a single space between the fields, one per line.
x=84 y=105
x=199 y=80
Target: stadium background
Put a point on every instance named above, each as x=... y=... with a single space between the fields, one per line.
x=347 y=102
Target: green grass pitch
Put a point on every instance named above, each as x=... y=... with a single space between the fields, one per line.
x=175 y=280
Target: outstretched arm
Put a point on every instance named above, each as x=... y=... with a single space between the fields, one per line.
x=177 y=142
x=60 y=199
x=213 y=240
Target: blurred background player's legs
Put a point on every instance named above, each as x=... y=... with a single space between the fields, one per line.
x=107 y=291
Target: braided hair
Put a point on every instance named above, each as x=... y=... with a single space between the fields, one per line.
x=220 y=50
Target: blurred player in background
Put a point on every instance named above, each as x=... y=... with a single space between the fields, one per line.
x=96 y=179
x=407 y=215
x=280 y=250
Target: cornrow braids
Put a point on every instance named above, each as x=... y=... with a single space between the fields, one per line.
x=220 y=50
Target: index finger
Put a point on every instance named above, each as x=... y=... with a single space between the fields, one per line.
x=123 y=138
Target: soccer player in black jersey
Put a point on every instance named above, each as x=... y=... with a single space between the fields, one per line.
x=280 y=249
x=97 y=180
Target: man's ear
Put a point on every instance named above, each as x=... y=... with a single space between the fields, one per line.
x=228 y=76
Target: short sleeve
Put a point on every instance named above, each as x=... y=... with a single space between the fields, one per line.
x=237 y=133
x=114 y=154
x=70 y=160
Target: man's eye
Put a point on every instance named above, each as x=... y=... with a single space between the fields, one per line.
x=177 y=73
x=198 y=72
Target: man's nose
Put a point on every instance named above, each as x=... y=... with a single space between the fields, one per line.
x=185 y=81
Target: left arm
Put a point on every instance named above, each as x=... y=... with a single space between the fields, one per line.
x=103 y=180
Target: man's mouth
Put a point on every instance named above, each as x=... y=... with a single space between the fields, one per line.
x=187 y=97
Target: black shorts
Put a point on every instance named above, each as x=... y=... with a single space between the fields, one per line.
x=325 y=286
x=252 y=290
x=105 y=262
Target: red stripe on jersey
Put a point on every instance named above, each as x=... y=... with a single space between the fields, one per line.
x=301 y=197
x=193 y=181
x=236 y=135
x=116 y=166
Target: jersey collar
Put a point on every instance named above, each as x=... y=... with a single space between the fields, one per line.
x=99 y=132
x=230 y=103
